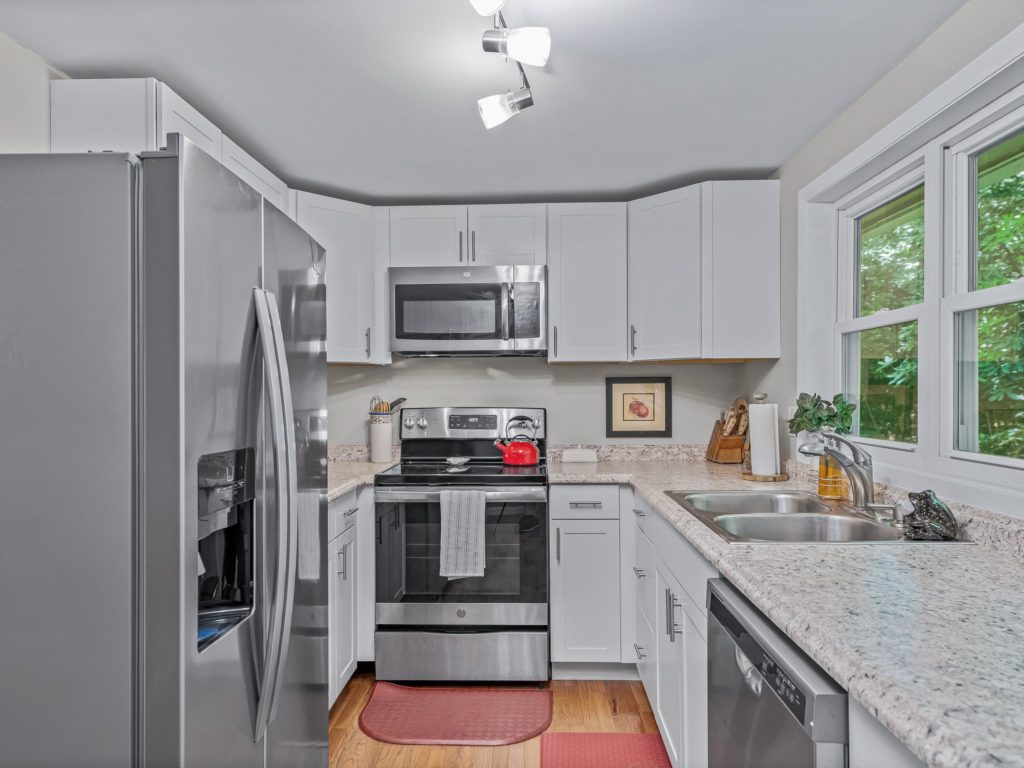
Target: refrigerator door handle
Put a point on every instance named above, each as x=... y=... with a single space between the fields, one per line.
x=282 y=430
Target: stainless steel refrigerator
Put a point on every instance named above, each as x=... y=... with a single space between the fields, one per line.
x=163 y=468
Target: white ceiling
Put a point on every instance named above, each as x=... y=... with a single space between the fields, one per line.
x=376 y=99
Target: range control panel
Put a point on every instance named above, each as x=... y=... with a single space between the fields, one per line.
x=471 y=423
x=785 y=688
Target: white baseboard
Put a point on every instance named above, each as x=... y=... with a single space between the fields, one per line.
x=593 y=671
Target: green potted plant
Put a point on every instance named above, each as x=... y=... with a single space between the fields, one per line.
x=815 y=412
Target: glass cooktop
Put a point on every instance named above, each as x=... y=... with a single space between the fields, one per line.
x=474 y=472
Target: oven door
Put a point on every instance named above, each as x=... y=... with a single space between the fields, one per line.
x=451 y=310
x=410 y=589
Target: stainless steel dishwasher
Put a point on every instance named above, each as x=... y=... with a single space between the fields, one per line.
x=769 y=705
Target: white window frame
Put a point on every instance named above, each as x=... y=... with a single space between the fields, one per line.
x=972 y=110
x=978 y=133
x=902 y=178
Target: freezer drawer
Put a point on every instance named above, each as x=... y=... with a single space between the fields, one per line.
x=426 y=655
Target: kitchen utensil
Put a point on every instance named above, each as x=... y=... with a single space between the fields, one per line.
x=519 y=450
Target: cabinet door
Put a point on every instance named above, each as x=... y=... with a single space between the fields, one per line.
x=669 y=639
x=93 y=115
x=502 y=235
x=429 y=236
x=587 y=282
x=695 y=685
x=585 y=591
x=742 y=274
x=345 y=230
x=665 y=276
x=252 y=172
x=646 y=652
x=175 y=115
x=343 y=638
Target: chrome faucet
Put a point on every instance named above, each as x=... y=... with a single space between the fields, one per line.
x=856 y=465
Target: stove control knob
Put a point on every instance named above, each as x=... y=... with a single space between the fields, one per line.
x=410 y=423
x=422 y=423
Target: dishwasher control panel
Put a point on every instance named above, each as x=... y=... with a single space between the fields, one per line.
x=784 y=688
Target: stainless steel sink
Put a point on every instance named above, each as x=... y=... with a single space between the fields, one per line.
x=784 y=516
x=801 y=526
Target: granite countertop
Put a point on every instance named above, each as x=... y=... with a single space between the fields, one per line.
x=345 y=476
x=927 y=637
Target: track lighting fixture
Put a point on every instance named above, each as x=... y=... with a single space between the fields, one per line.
x=525 y=45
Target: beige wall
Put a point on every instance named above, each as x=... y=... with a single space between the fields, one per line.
x=24 y=98
x=960 y=39
x=573 y=394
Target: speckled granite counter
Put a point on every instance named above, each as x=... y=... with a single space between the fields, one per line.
x=928 y=637
x=344 y=476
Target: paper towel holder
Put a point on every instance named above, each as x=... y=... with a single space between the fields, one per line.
x=759 y=398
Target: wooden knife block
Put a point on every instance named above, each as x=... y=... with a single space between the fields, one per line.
x=725 y=449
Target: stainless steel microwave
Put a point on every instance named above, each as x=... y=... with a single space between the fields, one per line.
x=464 y=311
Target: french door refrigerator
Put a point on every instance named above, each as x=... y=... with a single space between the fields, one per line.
x=163 y=495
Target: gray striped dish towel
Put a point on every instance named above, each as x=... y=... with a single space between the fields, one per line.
x=462 y=534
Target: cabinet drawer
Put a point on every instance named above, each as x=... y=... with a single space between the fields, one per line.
x=341 y=514
x=585 y=502
x=645 y=562
x=642 y=512
x=646 y=655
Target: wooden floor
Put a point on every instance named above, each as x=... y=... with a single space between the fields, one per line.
x=579 y=706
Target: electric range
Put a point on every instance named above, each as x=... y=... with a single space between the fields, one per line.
x=489 y=627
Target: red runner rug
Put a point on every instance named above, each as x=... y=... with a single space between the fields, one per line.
x=483 y=717
x=602 y=750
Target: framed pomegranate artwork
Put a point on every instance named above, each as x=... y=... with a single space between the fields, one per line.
x=638 y=406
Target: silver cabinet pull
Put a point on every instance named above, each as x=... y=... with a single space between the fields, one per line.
x=558 y=545
x=554 y=338
x=632 y=339
x=589 y=504
x=640 y=655
x=472 y=243
x=351 y=512
x=344 y=563
x=670 y=618
x=460 y=246
x=367 y=343
x=640 y=573
x=639 y=513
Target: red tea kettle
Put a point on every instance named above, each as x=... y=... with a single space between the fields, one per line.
x=519 y=450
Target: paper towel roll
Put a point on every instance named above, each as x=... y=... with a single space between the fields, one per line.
x=764 y=439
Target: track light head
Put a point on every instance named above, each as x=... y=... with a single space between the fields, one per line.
x=495 y=110
x=529 y=45
x=487 y=7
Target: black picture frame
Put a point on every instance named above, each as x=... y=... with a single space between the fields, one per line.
x=610 y=405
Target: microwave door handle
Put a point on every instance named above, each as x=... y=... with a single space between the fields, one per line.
x=506 y=302
x=512 y=310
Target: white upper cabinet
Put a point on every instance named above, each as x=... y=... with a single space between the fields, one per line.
x=257 y=176
x=742 y=272
x=429 y=236
x=124 y=115
x=353 y=275
x=665 y=276
x=507 y=234
x=136 y=115
x=587 y=282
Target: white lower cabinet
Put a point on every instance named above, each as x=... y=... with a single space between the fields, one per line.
x=872 y=745
x=584 y=584
x=342 y=619
x=671 y=631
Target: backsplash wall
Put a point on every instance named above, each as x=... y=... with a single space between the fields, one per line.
x=573 y=394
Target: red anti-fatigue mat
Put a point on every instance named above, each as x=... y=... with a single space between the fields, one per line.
x=484 y=717
x=602 y=750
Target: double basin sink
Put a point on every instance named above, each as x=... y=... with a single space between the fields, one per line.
x=785 y=517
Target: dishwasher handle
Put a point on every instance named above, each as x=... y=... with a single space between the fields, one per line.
x=751 y=676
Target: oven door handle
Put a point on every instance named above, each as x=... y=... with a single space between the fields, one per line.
x=433 y=495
